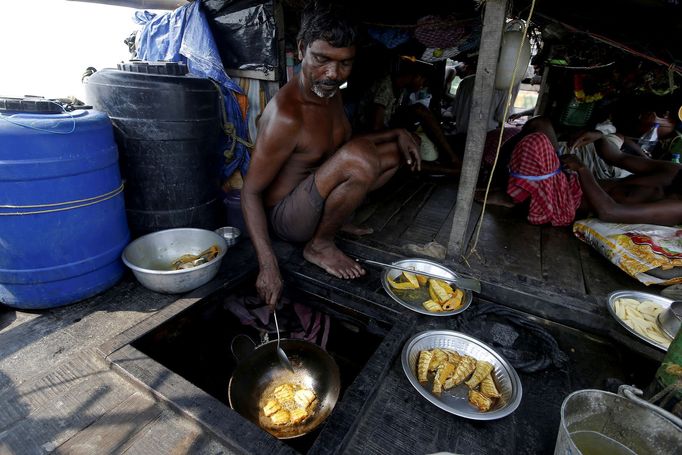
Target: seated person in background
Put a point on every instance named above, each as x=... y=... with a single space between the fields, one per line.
x=632 y=117
x=306 y=175
x=651 y=194
x=387 y=105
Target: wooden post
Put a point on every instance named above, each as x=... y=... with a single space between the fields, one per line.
x=491 y=36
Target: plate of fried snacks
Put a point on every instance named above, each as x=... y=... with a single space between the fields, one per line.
x=432 y=296
x=637 y=312
x=461 y=375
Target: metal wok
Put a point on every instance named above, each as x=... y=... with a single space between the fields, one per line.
x=260 y=371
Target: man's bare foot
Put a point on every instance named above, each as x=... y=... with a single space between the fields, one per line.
x=356 y=230
x=495 y=197
x=326 y=255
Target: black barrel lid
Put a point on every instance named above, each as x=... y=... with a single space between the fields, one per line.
x=161 y=68
x=35 y=105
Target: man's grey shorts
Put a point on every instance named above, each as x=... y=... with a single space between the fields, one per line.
x=296 y=217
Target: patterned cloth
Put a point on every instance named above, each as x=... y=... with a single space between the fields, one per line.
x=554 y=196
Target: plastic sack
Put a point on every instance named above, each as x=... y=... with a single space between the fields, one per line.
x=651 y=254
x=183 y=35
x=245 y=32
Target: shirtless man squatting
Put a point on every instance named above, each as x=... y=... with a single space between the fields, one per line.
x=307 y=175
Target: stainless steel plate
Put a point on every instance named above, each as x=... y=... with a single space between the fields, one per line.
x=414 y=301
x=455 y=400
x=641 y=296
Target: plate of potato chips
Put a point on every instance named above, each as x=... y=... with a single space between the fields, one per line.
x=637 y=312
x=426 y=295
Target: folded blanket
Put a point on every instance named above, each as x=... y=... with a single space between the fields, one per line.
x=535 y=173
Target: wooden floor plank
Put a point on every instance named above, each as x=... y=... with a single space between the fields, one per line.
x=17 y=401
x=391 y=207
x=507 y=244
x=601 y=277
x=50 y=426
x=114 y=429
x=432 y=215
x=171 y=434
x=561 y=264
x=392 y=233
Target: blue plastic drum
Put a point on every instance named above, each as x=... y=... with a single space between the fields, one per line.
x=62 y=215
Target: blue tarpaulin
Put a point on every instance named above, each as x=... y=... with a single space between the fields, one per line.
x=183 y=35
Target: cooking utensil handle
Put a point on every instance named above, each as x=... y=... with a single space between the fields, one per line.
x=633 y=393
x=274 y=314
x=242 y=346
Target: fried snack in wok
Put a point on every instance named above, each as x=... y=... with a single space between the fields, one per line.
x=281 y=417
x=289 y=404
x=304 y=397
x=271 y=407
x=298 y=415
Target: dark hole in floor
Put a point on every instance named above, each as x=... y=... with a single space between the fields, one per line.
x=196 y=343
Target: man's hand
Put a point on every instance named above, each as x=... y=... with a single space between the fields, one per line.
x=269 y=285
x=571 y=162
x=584 y=138
x=409 y=147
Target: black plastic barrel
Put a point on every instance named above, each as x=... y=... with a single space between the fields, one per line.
x=167 y=126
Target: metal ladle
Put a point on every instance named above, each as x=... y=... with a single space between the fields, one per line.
x=283 y=359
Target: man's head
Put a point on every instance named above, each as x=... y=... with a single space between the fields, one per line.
x=326 y=46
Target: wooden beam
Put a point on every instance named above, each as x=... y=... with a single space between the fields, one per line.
x=491 y=36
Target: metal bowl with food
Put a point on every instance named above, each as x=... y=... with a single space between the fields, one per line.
x=173 y=261
x=456 y=400
x=638 y=312
x=257 y=389
x=414 y=299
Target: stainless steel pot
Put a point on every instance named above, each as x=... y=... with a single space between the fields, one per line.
x=260 y=368
x=595 y=422
x=151 y=256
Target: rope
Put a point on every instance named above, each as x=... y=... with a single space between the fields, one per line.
x=228 y=127
x=499 y=141
x=80 y=203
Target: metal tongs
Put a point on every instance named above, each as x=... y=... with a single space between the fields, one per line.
x=470 y=284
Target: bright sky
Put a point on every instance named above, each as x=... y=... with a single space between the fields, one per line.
x=46 y=45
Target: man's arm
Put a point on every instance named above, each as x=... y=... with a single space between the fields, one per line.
x=665 y=212
x=276 y=141
x=406 y=143
x=647 y=172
